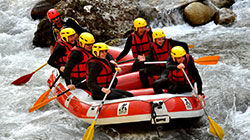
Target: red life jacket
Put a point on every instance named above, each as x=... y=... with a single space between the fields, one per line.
x=177 y=76
x=141 y=46
x=161 y=53
x=62 y=61
x=103 y=78
x=79 y=70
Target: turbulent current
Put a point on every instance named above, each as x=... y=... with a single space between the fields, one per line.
x=226 y=85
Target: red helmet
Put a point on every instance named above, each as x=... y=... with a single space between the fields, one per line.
x=52 y=13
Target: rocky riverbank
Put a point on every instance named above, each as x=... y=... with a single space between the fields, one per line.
x=112 y=19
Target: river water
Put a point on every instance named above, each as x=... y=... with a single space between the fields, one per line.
x=226 y=85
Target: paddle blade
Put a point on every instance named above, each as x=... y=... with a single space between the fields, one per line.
x=215 y=129
x=41 y=104
x=207 y=60
x=190 y=46
x=22 y=80
x=43 y=97
x=89 y=134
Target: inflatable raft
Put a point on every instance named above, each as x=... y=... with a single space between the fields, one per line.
x=145 y=106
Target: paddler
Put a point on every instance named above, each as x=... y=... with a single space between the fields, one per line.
x=100 y=73
x=58 y=24
x=64 y=45
x=139 y=41
x=173 y=78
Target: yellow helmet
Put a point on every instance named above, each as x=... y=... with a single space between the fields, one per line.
x=139 y=22
x=86 y=38
x=65 y=33
x=158 y=33
x=97 y=47
x=177 y=51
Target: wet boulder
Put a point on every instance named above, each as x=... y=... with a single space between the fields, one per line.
x=40 y=9
x=223 y=3
x=198 y=13
x=53 y=1
x=225 y=16
x=43 y=34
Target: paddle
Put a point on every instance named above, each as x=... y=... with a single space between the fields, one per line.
x=206 y=60
x=48 y=100
x=91 y=129
x=189 y=46
x=24 y=79
x=214 y=128
x=45 y=95
x=126 y=61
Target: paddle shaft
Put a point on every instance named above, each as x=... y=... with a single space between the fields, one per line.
x=45 y=95
x=57 y=78
x=40 y=67
x=189 y=46
x=194 y=90
x=206 y=60
x=126 y=61
x=156 y=62
x=105 y=96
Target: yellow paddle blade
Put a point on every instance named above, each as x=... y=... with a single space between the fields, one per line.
x=207 y=60
x=215 y=129
x=43 y=97
x=41 y=104
x=190 y=46
x=89 y=134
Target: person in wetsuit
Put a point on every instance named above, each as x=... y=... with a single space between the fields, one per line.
x=100 y=73
x=139 y=42
x=75 y=69
x=57 y=24
x=173 y=78
x=64 y=45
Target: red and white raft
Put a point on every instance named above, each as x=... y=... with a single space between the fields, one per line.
x=143 y=107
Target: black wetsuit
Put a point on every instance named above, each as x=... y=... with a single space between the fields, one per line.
x=164 y=83
x=96 y=93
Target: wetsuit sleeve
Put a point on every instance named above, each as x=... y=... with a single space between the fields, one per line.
x=94 y=70
x=171 y=65
x=178 y=43
x=150 y=56
x=75 y=58
x=193 y=71
x=126 y=48
x=57 y=53
x=109 y=57
x=70 y=22
x=53 y=41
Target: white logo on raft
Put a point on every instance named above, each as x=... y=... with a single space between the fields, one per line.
x=187 y=103
x=122 y=109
